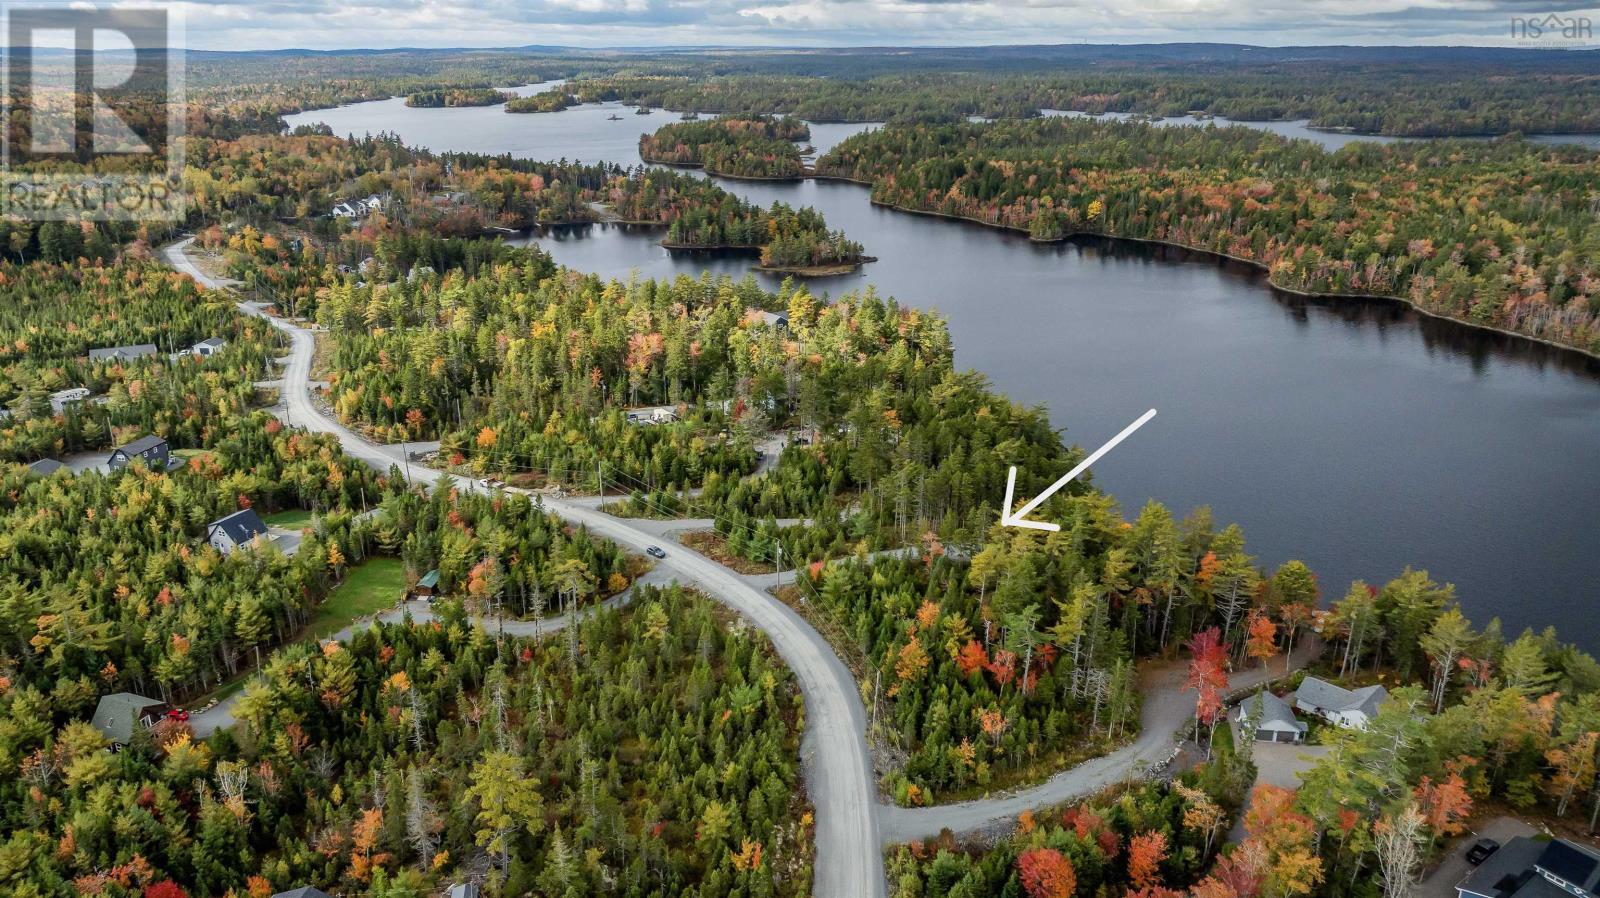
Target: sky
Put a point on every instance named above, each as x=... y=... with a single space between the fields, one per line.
x=345 y=24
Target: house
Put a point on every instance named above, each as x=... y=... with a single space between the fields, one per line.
x=344 y=210
x=236 y=530
x=463 y=890
x=1533 y=868
x=62 y=399
x=658 y=414
x=303 y=892
x=775 y=320
x=118 y=714
x=208 y=347
x=122 y=353
x=1277 y=722
x=427 y=587
x=44 y=467
x=1335 y=704
x=150 y=447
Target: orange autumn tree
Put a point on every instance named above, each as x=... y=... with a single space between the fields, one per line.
x=1046 y=873
x=1146 y=851
x=1263 y=642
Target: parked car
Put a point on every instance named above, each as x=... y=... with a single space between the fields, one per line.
x=1480 y=851
x=179 y=715
x=655 y=552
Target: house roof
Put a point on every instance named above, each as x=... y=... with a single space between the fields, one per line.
x=135 y=351
x=464 y=890
x=242 y=526
x=70 y=392
x=117 y=713
x=1275 y=713
x=46 y=466
x=1329 y=697
x=213 y=342
x=429 y=579
x=1515 y=870
x=143 y=444
x=303 y=892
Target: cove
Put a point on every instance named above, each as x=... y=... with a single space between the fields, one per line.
x=1357 y=435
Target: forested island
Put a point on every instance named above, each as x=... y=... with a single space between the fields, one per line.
x=452 y=97
x=552 y=100
x=761 y=147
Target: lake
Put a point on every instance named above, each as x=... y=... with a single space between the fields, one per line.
x=1358 y=436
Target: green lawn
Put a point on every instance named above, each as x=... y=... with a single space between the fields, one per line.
x=289 y=519
x=374 y=585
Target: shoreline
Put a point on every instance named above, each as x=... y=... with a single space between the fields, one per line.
x=1255 y=264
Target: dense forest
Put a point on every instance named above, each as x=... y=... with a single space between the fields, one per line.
x=652 y=752
x=732 y=146
x=1500 y=233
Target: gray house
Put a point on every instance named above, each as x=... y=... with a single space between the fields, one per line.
x=118 y=714
x=122 y=353
x=238 y=529
x=1277 y=723
x=1352 y=708
x=150 y=447
x=44 y=467
x=463 y=890
x=1531 y=868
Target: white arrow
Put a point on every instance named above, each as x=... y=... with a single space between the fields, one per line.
x=1009 y=518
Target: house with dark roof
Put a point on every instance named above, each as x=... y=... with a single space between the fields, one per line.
x=1535 y=868
x=463 y=890
x=122 y=353
x=121 y=714
x=1277 y=722
x=208 y=347
x=151 y=448
x=236 y=530
x=44 y=467
x=1354 y=708
x=303 y=892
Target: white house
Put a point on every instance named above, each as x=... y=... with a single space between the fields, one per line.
x=208 y=347
x=236 y=530
x=657 y=414
x=1277 y=722
x=344 y=210
x=61 y=399
x=1336 y=704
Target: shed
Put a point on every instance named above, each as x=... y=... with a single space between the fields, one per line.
x=428 y=586
x=44 y=467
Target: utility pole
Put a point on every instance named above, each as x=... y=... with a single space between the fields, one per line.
x=600 y=481
x=405 y=457
x=777 y=564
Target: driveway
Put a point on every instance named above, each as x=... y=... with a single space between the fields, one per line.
x=1441 y=883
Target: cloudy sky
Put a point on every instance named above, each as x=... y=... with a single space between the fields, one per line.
x=328 y=24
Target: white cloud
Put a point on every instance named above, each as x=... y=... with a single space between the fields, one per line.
x=325 y=24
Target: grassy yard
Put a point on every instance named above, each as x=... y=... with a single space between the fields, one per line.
x=372 y=586
x=289 y=519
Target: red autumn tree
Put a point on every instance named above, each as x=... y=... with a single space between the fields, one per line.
x=166 y=888
x=1046 y=873
x=972 y=658
x=1146 y=851
x=1208 y=675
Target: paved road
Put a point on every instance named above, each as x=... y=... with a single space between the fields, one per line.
x=1166 y=708
x=839 y=780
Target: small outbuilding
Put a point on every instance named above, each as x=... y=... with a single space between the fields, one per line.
x=208 y=347
x=1277 y=722
x=151 y=448
x=121 y=714
x=427 y=587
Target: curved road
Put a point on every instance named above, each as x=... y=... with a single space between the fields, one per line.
x=852 y=823
x=839 y=779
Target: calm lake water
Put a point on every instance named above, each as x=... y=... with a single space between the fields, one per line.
x=1358 y=436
